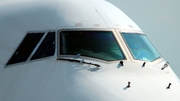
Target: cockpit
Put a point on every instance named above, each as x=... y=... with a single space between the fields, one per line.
x=97 y=44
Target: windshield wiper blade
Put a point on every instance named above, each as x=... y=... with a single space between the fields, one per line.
x=80 y=61
x=71 y=60
x=89 y=63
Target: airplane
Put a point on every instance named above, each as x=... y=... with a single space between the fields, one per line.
x=78 y=50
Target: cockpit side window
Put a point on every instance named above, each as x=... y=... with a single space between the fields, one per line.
x=96 y=44
x=25 y=48
x=140 y=47
x=47 y=47
x=34 y=46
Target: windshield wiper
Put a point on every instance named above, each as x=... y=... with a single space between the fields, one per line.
x=89 y=63
x=80 y=61
x=71 y=60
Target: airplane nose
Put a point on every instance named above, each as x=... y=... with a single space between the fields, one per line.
x=124 y=84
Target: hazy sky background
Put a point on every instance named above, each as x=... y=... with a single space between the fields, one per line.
x=160 y=21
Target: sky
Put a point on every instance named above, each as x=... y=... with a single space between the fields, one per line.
x=159 y=20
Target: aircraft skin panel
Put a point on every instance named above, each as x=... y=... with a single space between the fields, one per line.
x=5 y=54
x=114 y=21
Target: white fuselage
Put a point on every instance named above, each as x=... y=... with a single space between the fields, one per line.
x=55 y=78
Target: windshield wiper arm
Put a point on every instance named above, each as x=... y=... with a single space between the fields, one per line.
x=79 y=61
x=71 y=60
x=89 y=63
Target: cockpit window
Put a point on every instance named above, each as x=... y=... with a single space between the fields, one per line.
x=34 y=46
x=25 y=48
x=97 y=44
x=140 y=47
x=47 y=47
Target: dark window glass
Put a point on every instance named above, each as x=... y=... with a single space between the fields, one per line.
x=47 y=47
x=25 y=48
x=97 y=44
x=140 y=47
